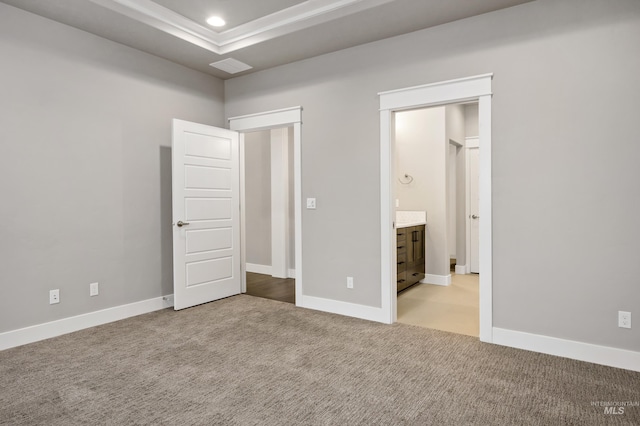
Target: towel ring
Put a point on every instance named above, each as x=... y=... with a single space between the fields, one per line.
x=407 y=178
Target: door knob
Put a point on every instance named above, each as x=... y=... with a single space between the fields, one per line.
x=475 y=217
x=181 y=224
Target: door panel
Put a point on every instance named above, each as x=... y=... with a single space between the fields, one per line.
x=206 y=187
x=208 y=209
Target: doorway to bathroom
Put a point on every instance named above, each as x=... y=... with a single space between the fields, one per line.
x=435 y=160
x=459 y=91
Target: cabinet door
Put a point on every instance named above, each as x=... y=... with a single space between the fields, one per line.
x=418 y=242
x=419 y=250
x=410 y=244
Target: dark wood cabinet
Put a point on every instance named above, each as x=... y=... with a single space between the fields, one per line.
x=411 y=255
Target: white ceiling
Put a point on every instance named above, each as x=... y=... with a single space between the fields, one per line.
x=261 y=33
x=235 y=12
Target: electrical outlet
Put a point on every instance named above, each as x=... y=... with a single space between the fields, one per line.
x=349 y=282
x=94 y=289
x=624 y=319
x=54 y=297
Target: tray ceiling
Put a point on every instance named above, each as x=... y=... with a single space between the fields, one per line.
x=260 y=33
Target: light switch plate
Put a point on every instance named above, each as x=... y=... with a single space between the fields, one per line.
x=311 y=203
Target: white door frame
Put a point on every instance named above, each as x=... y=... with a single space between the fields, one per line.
x=288 y=117
x=442 y=93
x=471 y=142
x=280 y=250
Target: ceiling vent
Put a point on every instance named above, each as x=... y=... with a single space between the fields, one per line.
x=230 y=65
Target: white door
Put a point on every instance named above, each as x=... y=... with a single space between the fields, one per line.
x=474 y=217
x=206 y=214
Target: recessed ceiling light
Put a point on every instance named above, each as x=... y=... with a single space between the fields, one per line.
x=216 y=21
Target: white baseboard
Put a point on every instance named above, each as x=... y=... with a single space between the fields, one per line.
x=51 y=329
x=604 y=355
x=437 y=279
x=258 y=269
x=461 y=269
x=343 y=308
x=266 y=270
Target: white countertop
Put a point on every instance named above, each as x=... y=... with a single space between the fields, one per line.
x=407 y=224
x=405 y=218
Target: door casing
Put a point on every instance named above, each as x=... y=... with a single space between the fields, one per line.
x=471 y=144
x=268 y=120
x=476 y=88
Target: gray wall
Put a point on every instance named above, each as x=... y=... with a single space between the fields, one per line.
x=470 y=129
x=564 y=107
x=86 y=168
x=471 y=120
x=257 y=155
x=455 y=124
x=258 y=198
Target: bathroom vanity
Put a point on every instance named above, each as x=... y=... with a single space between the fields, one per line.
x=410 y=237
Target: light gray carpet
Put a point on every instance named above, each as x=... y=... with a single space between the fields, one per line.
x=251 y=361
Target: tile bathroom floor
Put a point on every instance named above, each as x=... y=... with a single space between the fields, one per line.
x=453 y=308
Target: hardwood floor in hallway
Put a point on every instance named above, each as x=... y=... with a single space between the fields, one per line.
x=268 y=287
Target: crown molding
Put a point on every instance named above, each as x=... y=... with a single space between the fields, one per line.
x=286 y=21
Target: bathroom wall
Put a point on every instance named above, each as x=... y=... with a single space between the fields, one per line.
x=422 y=152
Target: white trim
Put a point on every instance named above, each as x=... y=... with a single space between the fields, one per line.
x=297 y=199
x=486 y=224
x=470 y=143
x=287 y=21
x=265 y=270
x=258 y=269
x=279 y=144
x=388 y=265
x=243 y=217
x=59 y=327
x=446 y=92
x=282 y=22
x=343 y=308
x=604 y=355
x=444 y=280
x=461 y=269
x=267 y=120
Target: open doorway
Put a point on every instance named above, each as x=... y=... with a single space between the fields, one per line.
x=269 y=214
x=285 y=123
x=475 y=88
x=432 y=162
